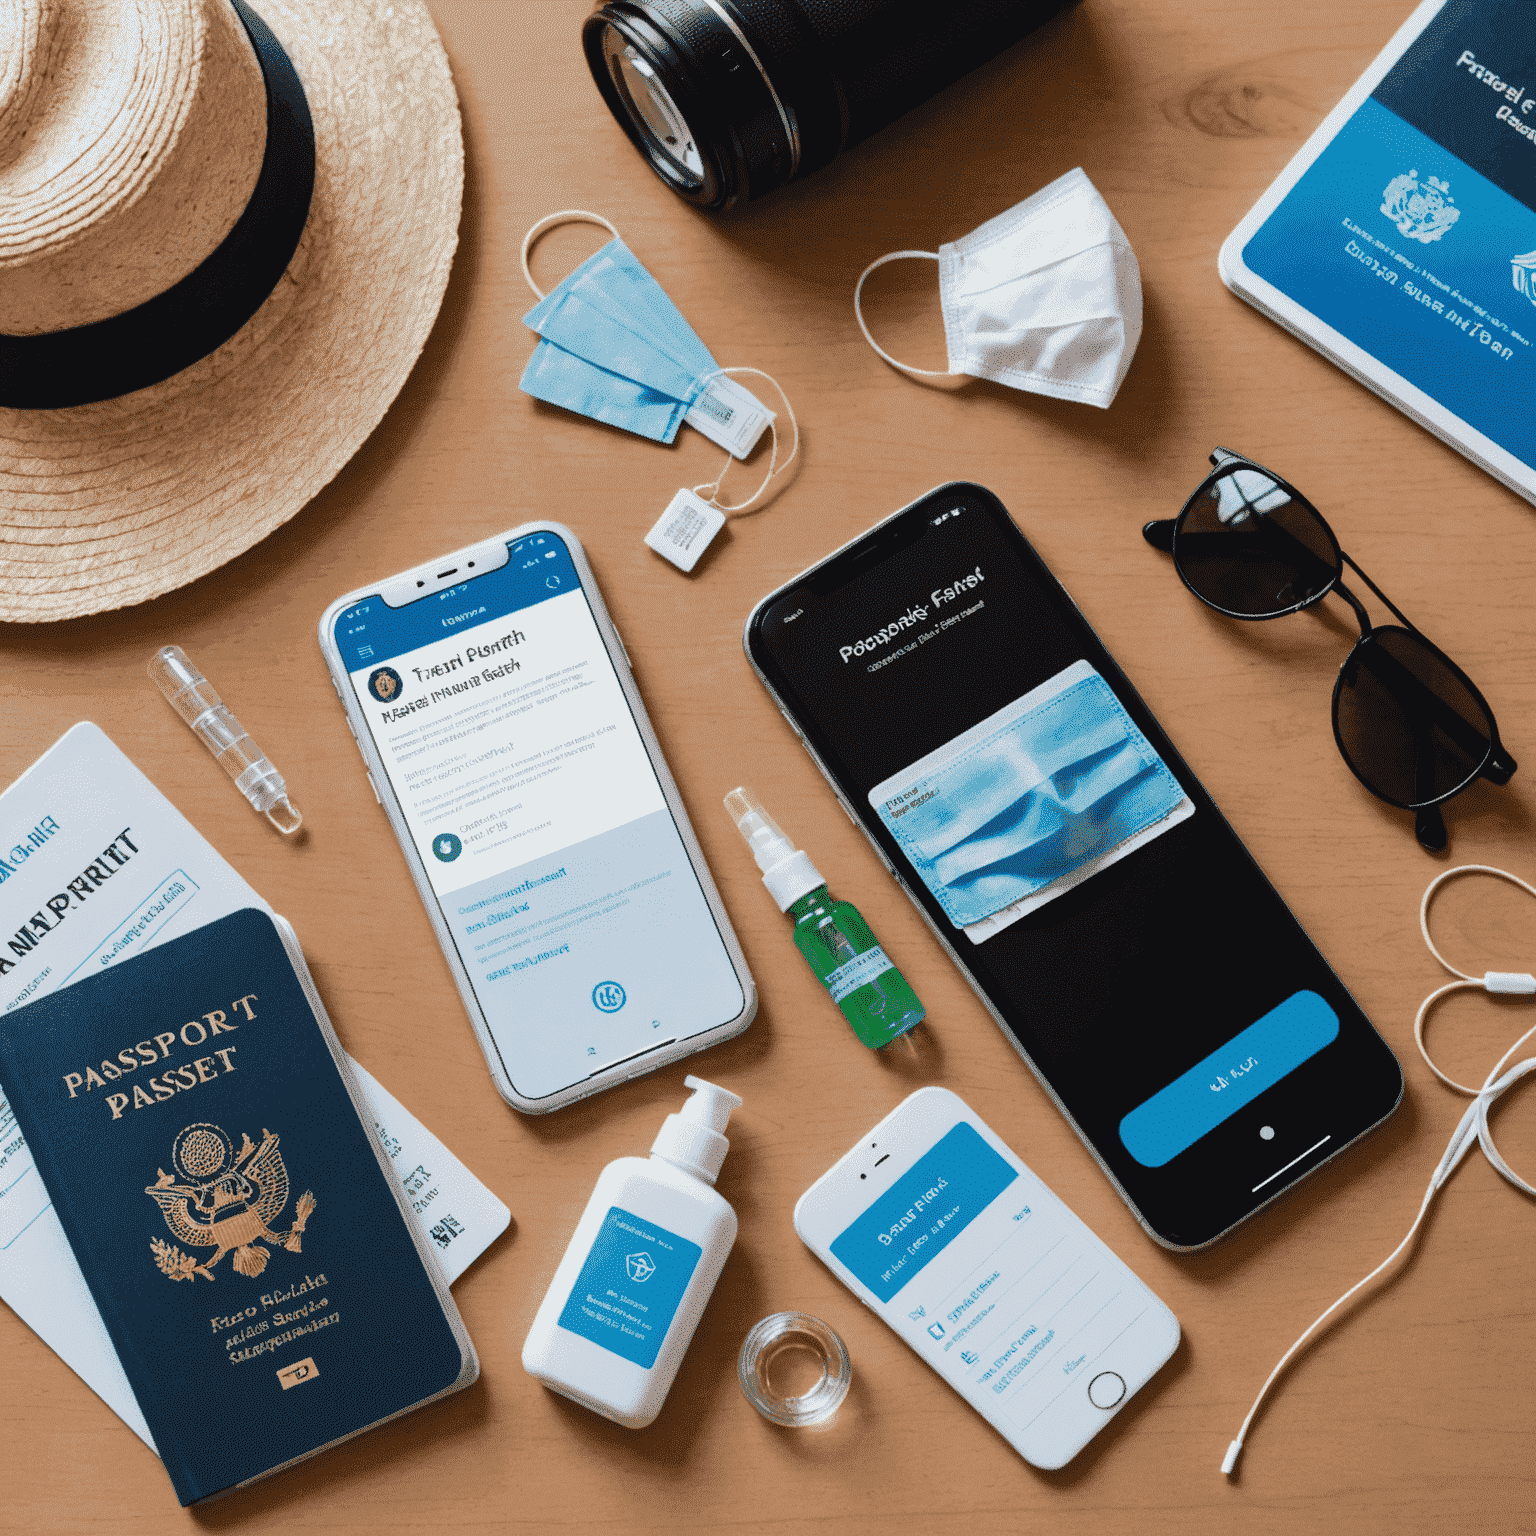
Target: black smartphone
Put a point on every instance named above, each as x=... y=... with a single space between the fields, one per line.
x=1069 y=861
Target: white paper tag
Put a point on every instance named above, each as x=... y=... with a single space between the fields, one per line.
x=683 y=532
x=455 y=1211
x=729 y=414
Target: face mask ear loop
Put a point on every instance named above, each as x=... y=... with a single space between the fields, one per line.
x=712 y=487
x=1472 y=1127
x=858 y=312
x=565 y=216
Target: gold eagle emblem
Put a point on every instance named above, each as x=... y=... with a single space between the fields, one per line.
x=225 y=1201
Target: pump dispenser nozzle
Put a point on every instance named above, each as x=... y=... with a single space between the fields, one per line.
x=787 y=872
x=692 y=1139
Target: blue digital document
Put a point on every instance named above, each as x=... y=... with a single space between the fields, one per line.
x=527 y=790
x=992 y=1279
x=1401 y=241
x=1422 y=262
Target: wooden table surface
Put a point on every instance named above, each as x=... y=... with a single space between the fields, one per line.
x=1416 y=1413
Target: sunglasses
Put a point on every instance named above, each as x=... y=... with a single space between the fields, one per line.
x=1408 y=721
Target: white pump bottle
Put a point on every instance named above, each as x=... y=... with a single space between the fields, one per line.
x=620 y=1313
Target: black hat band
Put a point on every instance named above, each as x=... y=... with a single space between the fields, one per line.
x=200 y=313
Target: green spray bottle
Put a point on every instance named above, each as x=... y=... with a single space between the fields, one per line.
x=876 y=999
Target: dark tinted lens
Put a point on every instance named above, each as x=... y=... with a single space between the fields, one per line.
x=1409 y=726
x=1253 y=549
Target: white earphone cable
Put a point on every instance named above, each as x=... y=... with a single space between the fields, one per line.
x=1473 y=1125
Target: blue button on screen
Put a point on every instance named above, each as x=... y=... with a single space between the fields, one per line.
x=1213 y=1090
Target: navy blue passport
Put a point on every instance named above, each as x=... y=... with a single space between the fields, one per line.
x=234 y=1218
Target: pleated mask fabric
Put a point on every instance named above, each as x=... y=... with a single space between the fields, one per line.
x=614 y=347
x=1045 y=297
x=1037 y=791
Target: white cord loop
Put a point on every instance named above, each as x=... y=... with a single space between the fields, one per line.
x=565 y=216
x=1473 y=1126
x=775 y=469
x=858 y=312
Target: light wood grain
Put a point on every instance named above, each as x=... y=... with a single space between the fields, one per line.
x=1416 y=1414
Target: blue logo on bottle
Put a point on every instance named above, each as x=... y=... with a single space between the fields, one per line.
x=608 y=996
x=640 y=1266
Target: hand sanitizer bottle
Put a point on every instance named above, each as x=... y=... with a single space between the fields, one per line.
x=876 y=999
x=620 y=1313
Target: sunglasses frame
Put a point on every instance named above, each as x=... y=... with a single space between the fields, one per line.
x=1497 y=766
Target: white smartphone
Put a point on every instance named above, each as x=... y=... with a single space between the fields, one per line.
x=944 y=1234
x=493 y=703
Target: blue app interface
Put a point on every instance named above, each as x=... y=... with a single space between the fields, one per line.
x=994 y=1282
x=529 y=795
x=915 y=1220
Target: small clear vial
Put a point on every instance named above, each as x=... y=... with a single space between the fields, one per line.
x=790 y=1339
x=875 y=998
x=193 y=698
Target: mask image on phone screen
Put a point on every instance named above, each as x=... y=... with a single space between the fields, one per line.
x=1009 y=775
x=543 y=830
x=1030 y=802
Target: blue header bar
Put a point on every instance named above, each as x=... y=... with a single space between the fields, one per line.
x=538 y=568
x=924 y=1211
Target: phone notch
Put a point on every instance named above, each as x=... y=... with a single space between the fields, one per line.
x=434 y=579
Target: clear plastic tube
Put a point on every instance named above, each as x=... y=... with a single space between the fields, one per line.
x=193 y=697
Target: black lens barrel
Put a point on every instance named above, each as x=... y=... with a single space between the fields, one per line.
x=774 y=89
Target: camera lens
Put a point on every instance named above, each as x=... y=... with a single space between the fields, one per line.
x=653 y=112
x=730 y=99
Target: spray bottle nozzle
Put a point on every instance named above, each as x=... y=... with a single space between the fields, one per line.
x=768 y=844
x=787 y=872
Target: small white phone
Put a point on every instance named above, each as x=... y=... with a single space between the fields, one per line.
x=944 y=1234
x=491 y=698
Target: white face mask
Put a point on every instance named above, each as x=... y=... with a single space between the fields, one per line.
x=1045 y=297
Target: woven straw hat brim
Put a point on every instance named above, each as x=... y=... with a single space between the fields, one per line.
x=115 y=503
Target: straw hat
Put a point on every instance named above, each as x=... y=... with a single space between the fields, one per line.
x=160 y=246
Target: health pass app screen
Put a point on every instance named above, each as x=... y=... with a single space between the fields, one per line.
x=541 y=824
x=994 y=1282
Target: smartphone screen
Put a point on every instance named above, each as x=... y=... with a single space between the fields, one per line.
x=555 y=863
x=1177 y=1011
x=988 y=1276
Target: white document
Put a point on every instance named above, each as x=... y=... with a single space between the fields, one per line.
x=453 y=1208
x=95 y=865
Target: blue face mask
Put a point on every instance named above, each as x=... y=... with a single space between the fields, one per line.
x=1031 y=801
x=613 y=346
